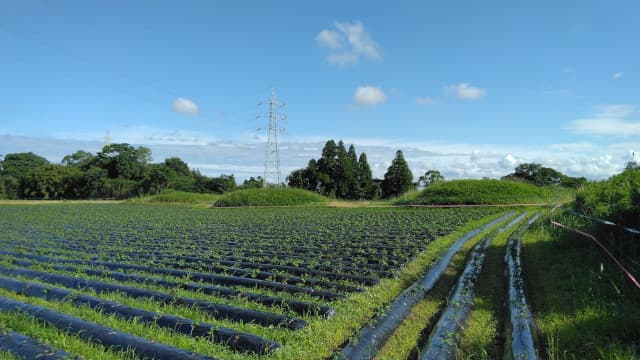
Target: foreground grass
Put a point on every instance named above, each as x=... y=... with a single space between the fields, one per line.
x=486 y=192
x=4 y=355
x=584 y=308
x=411 y=335
x=270 y=197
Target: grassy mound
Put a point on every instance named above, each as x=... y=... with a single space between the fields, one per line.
x=173 y=196
x=485 y=192
x=270 y=197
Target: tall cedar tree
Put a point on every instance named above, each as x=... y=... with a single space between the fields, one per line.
x=328 y=169
x=351 y=172
x=398 y=178
x=338 y=173
x=365 y=179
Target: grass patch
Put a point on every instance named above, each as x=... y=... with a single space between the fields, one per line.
x=270 y=197
x=176 y=197
x=5 y=355
x=486 y=192
x=583 y=306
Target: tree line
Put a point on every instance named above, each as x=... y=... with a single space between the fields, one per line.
x=341 y=173
x=118 y=171
x=122 y=171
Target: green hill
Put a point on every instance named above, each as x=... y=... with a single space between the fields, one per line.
x=270 y=197
x=176 y=197
x=486 y=192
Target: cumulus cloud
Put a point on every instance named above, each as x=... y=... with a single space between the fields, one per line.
x=369 y=96
x=425 y=100
x=508 y=162
x=465 y=91
x=618 y=75
x=347 y=42
x=609 y=120
x=185 y=106
x=330 y=39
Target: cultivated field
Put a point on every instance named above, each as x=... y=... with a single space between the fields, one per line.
x=126 y=281
x=228 y=283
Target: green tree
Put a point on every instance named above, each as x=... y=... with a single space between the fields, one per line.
x=365 y=179
x=351 y=173
x=123 y=160
x=398 y=179
x=80 y=159
x=252 y=183
x=327 y=167
x=536 y=174
x=18 y=165
x=221 y=184
x=95 y=183
x=338 y=173
x=52 y=181
x=431 y=177
x=14 y=169
x=180 y=167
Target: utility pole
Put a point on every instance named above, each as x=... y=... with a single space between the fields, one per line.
x=272 y=150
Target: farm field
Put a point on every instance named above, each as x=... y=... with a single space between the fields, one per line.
x=178 y=282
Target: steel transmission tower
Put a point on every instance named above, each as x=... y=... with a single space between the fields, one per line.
x=272 y=151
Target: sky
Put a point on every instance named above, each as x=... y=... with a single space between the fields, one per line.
x=470 y=88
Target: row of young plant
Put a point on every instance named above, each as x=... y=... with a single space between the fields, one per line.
x=52 y=284
x=329 y=251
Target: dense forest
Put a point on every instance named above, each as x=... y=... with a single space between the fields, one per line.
x=341 y=173
x=118 y=171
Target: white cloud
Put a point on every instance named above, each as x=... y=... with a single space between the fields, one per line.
x=508 y=162
x=569 y=71
x=185 y=106
x=330 y=39
x=617 y=111
x=425 y=100
x=465 y=91
x=618 y=75
x=369 y=96
x=610 y=120
x=343 y=58
x=347 y=42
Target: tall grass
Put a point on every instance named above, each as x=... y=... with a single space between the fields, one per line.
x=583 y=306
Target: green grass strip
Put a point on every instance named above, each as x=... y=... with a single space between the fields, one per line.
x=583 y=307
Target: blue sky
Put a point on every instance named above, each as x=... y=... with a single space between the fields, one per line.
x=470 y=88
